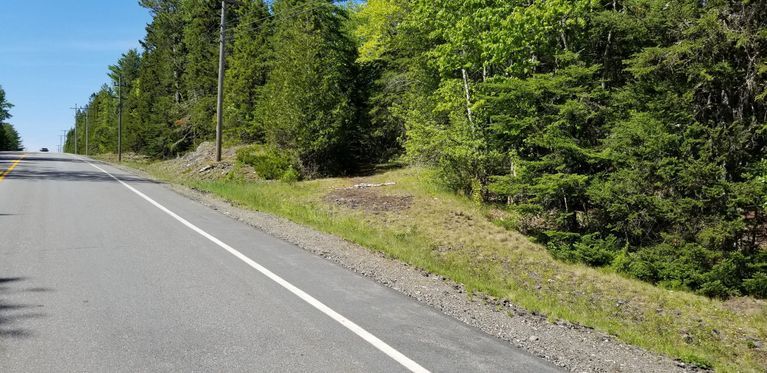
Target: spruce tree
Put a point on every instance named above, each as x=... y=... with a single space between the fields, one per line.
x=247 y=70
x=160 y=81
x=306 y=108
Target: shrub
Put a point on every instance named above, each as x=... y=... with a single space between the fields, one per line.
x=590 y=248
x=757 y=285
x=290 y=175
x=269 y=162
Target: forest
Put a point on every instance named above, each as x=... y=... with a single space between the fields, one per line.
x=627 y=134
x=9 y=137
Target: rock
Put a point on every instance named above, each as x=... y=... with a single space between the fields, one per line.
x=533 y=338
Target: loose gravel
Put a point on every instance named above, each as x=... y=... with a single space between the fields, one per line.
x=572 y=347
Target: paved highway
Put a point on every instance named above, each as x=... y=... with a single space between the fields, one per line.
x=103 y=271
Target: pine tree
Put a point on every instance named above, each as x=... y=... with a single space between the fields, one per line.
x=127 y=72
x=248 y=67
x=306 y=108
x=9 y=138
x=160 y=81
x=200 y=37
x=5 y=106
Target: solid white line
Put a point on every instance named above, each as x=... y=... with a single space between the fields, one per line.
x=356 y=329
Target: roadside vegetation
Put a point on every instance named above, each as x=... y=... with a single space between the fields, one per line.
x=9 y=137
x=626 y=138
x=422 y=222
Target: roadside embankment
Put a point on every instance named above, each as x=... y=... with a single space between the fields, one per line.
x=405 y=231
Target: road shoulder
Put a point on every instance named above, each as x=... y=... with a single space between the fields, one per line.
x=573 y=347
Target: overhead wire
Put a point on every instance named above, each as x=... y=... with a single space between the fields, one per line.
x=293 y=12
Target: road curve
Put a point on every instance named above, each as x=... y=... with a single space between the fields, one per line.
x=101 y=275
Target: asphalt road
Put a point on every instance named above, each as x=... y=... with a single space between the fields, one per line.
x=101 y=275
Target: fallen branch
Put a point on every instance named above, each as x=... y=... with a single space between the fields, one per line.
x=366 y=185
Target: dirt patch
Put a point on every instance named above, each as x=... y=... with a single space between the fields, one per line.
x=573 y=347
x=745 y=305
x=369 y=200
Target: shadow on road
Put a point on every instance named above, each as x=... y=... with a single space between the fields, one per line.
x=38 y=173
x=44 y=167
x=9 y=158
x=13 y=314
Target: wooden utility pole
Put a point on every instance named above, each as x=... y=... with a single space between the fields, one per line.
x=221 y=62
x=77 y=111
x=87 y=110
x=120 y=118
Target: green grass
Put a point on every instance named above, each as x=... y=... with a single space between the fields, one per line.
x=449 y=235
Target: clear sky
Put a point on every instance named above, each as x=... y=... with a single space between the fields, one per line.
x=55 y=53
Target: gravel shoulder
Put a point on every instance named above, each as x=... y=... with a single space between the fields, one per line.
x=572 y=347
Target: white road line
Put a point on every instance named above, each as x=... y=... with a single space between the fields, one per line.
x=356 y=329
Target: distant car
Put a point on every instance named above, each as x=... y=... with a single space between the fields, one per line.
x=44 y=150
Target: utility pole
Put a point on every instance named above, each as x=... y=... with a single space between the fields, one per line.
x=120 y=118
x=61 y=141
x=76 y=109
x=221 y=62
x=87 y=111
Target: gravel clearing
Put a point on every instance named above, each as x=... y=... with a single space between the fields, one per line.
x=574 y=348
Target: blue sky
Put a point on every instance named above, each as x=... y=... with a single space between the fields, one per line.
x=54 y=54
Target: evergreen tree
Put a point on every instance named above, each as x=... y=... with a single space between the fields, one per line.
x=127 y=72
x=626 y=133
x=306 y=109
x=9 y=137
x=383 y=80
x=160 y=81
x=201 y=40
x=5 y=106
x=248 y=67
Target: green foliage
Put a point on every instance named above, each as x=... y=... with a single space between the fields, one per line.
x=628 y=133
x=269 y=162
x=248 y=67
x=5 y=106
x=756 y=285
x=306 y=104
x=374 y=25
x=588 y=248
x=642 y=151
x=290 y=175
x=9 y=137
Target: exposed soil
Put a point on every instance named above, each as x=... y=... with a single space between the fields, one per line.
x=574 y=348
x=202 y=162
x=369 y=200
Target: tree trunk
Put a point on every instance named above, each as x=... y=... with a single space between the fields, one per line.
x=468 y=95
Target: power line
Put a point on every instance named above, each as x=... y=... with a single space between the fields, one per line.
x=289 y=14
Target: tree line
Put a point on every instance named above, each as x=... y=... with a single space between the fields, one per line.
x=625 y=133
x=9 y=137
